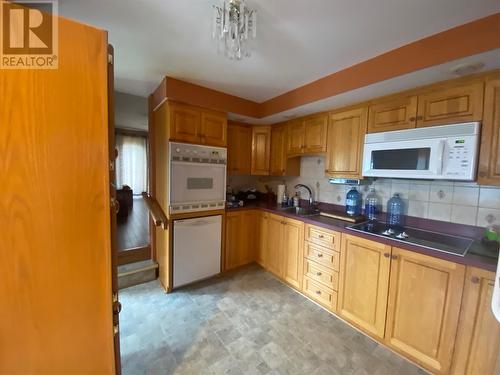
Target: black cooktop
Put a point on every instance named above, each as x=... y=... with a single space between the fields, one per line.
x=431 y=240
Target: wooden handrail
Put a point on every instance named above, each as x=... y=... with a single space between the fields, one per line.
x=155 y=210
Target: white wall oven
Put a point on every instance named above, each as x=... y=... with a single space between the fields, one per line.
x=448 y=152
x=197 y=177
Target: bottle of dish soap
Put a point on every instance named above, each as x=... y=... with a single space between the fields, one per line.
x=353 y=202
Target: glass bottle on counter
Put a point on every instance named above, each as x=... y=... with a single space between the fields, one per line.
x=395 y=211
x=353 y=202
x=371 y=205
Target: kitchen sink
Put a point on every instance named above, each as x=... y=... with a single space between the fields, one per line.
x=300 y=211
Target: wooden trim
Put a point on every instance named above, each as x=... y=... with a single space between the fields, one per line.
x=152 y=173
x=465 y=40
x=133 y=255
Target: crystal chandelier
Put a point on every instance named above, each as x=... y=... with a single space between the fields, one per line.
x=234 y=25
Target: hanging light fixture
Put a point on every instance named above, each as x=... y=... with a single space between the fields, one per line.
x=234 y=25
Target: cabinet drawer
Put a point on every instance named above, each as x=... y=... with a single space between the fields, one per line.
x=319 y=273
x=320 y=293
x=325 y=257
x=323 y=237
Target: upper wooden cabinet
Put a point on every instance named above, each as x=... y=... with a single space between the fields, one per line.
x=196 y=125
x=477 y=349
x=489 y=158
x=239 y=149
x=451 y=105
x=395 y=114
x=346 y=132
x=307 y=135
x=425 y=294
x=280 y=165
x=261 y=149
x=364 y=283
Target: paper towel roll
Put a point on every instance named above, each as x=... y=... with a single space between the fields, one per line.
x=280 y=193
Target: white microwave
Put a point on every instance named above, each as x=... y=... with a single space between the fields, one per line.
x=448 y=152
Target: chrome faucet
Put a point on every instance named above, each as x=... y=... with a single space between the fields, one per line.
x=311 y=200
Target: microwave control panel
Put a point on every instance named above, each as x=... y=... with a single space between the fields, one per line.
x=459 y=158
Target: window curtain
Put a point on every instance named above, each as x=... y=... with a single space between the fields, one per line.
x=132 y=163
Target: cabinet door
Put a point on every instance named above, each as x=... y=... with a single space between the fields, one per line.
x=185 y=123
x=346 y=132
x=364 y=283
x=295 y=141
x=451 y=105
x=278 y=151
x=250 y=235
x=315 y=129
x=244 y=159
x=293 y=251
x=395 y=114
x=424 y=304
x=232 y=148
x=274 y=244
x=489 y=158
x=213 y=129
x=477 y=348
x=261 y=150
x=234 y=243
x=262 y=248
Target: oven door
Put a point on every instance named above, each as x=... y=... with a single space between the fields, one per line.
x=197 y=186
x=421 y=158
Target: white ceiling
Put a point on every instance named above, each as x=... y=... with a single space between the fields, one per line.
x=298 y=41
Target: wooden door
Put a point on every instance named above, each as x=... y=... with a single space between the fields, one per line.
x=293 y=252
x=244 y=158
x=235 y=243
x=262 y=248
x=364 y=283
x=295 y=138
x=185 y=123
x=213 y=129
x=424 y=304
x=315 y=129
x=451 y=105
x=250 y=235
x=278 y=151
x=477 y=349
x=346 y=132
x=489 y=158
x=56 y=258
x=274 y=244
x=261 y=150
x=394 y=114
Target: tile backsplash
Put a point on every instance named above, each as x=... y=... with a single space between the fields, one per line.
x=458 y=202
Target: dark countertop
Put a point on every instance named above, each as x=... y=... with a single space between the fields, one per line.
x=479 y=254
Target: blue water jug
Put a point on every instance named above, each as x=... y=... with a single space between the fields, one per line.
x=353 y=202
x=395 y=211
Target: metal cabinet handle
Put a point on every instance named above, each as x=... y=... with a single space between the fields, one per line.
x=474 y=279
x=321 y=236
x=320 y=255
x=318 y=273
x=412 y=119
x=387 y=255
x=394 y=257
x=318 y=292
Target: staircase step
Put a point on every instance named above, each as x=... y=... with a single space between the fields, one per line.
x=136 y=273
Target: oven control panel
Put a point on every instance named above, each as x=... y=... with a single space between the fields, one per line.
x=184 y=152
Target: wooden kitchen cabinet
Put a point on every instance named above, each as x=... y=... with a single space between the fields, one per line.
x=239 y=149
x=346 y=132
x=261 y=150
x=425 y=294
x=489 y=158
x=477 y=349
x=293 y=252
x=273 y=245
x=261 y=257
x=196 y=125
x=242 y=237
x=280 y=165
x=307 y=135
x=394 y=114
x=451 y=105
x=364 y=283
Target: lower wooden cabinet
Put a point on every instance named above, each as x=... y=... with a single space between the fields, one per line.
x=477 y=349
x=320 y=293
x=364 y=283
x=425 y=294
x=293 y=252
x=273 y=249
x=242 y=238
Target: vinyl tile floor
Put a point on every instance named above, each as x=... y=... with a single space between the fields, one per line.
x=245 y=322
